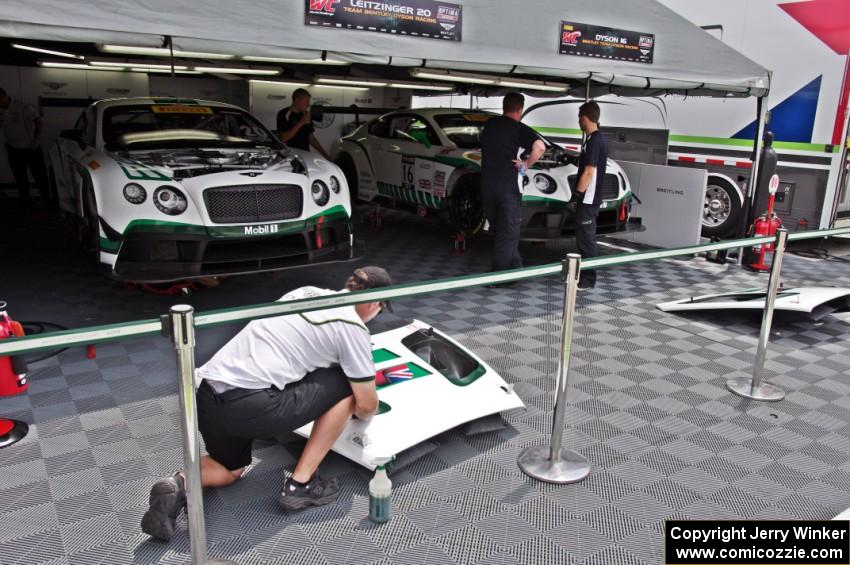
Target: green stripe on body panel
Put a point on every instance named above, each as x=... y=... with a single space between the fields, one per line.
x=411 y=196
x=542 y=201
x=136 y=172
x=256 y=230
x=747 y=143
x=381 y=355
x=109 y=246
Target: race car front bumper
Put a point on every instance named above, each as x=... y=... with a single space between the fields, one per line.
x=547 y=221
x=153 y=254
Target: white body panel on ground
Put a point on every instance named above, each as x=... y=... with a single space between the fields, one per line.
x=421 y=408
x=802 y=300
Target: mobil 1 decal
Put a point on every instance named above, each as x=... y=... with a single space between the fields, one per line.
x=606 y=42
x=416 y=18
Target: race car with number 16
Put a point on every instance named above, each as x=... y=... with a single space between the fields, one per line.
x=431 y=158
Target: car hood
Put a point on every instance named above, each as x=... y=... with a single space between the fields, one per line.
x=181 y=164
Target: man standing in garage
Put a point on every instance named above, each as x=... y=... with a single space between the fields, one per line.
x=295 y=127
x=591 y=171
x=273 y=377
x=503 y=140
x=22 y=135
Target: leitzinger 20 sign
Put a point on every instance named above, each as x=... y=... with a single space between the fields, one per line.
x=606 y=43
x=417 y=18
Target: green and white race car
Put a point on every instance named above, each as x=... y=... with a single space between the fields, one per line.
x=431 y=158
x=169 y=189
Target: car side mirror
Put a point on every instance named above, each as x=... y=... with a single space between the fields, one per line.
x=75 y=135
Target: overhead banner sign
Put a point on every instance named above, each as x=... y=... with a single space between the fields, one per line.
x=417 y=18
x=606 y=43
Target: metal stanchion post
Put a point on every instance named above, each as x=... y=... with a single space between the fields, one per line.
x=182 y=329
x=755 y=389
x=553 y=464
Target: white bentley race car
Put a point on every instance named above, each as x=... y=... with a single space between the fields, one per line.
x=170 y=189
x=431 y=158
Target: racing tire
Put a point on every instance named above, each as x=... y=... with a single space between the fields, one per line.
x=466 y=211
x=722 y=209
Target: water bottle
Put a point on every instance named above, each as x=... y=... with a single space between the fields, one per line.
x=380 y=489
x=522 y=170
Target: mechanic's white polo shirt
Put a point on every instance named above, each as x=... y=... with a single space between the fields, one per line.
x=280 y=350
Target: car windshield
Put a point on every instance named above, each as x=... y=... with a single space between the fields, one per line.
x=180 y=125
x=464 y=130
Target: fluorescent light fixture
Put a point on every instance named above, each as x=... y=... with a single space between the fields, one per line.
x=58 y=65
x=340 y=86
x=533 y=85
x=281 y=83
x=137 y=65
x=237 y=70
x=422 y=86
x=452 y=76
x=161 y=52
x=351 y=81
x=165 y=71
x=46 y=51
x=295 y=61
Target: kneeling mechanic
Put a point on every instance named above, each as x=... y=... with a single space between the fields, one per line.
x=273 y=377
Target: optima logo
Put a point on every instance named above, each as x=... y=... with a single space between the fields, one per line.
x=261 y=230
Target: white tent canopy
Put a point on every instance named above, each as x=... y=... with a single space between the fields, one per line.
x=501 y=36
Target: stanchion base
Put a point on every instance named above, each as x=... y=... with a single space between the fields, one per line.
x=534 y=462
x=764 y=391
x=12 y=431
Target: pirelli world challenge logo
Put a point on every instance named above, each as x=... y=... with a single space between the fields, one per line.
x=430 y=19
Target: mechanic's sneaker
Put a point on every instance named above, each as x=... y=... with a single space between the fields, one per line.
x=315 y=493
x=168 y=497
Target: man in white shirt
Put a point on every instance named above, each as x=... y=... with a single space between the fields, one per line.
x=22 y=135
x=273 y=377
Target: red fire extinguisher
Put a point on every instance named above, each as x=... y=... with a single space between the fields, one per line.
x=13 y=371
x=765 y=225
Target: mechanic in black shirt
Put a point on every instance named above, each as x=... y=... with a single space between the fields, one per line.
x=295 y=127
x=503 y=140
x=591 y=172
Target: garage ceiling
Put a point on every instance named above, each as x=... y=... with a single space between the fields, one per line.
x=500 y=37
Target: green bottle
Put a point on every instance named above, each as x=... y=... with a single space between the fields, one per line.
x=380 y=490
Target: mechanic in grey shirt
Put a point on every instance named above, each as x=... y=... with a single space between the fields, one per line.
x=22 y=134
x=273 y=377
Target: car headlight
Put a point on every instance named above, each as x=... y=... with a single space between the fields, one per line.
x=335 y=184
x=545 y=183
x=135 y=193
x=169 y=200
x=320 y=193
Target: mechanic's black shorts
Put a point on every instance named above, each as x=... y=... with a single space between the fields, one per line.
x=229 y=421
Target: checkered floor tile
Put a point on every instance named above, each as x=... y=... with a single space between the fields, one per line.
x=647 y=406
